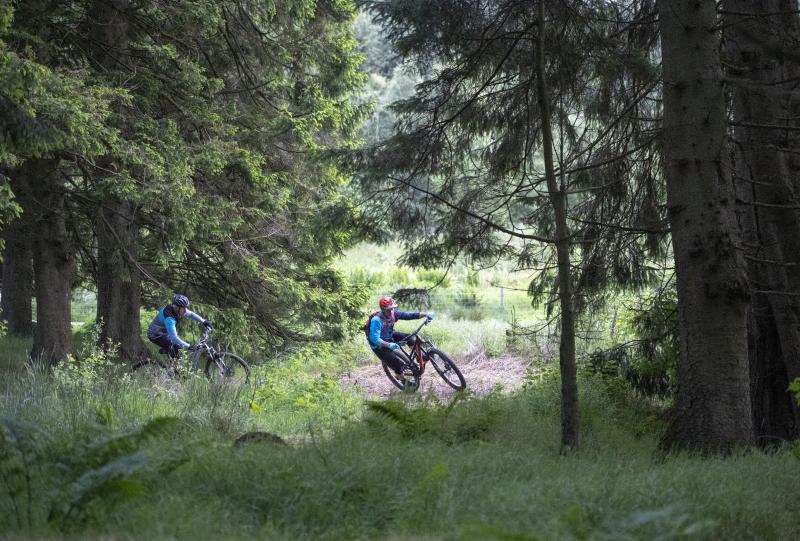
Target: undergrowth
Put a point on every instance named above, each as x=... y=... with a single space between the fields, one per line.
x=86 y=453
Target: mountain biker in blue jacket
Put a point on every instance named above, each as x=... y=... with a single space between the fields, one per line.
x=163 y=331
x=383 y=338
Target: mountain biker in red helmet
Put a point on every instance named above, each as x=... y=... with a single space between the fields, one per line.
x=381 y=334
x=163 y=331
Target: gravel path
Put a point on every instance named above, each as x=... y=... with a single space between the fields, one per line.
x=481 y=373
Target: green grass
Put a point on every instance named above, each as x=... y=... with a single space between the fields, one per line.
x=109 y=459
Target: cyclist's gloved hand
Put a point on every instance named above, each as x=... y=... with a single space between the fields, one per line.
x=207 y=324
x=430 y=316
x=393 y=346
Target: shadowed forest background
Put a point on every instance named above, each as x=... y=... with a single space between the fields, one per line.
x=599 y=201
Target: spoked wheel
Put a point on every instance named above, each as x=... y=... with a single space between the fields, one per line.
x=228 y=368
x=447 y=369
x=148 y=369
x=411 y=375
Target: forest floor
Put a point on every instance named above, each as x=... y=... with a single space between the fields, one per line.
x=482 y=374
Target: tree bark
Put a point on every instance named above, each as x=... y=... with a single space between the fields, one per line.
x=53 y=263
x=558 y=199
x=765 y=174
x=712 y=410
x=17 y=310
x=118 y=280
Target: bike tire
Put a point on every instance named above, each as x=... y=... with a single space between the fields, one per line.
x=228 y=368
x=148 y=369
x=447 y=369
x=411 y=374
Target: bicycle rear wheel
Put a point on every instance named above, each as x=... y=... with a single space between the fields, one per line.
x=409 y=373
x=228 y=368
x=148 y=369
x=446 y=368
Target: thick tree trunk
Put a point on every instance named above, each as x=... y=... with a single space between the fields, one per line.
x=569 y=379
x=18 y=274
x=118 y=278
x=53 y=262
x=767 y=190
x=118 y=281
x=712 y=406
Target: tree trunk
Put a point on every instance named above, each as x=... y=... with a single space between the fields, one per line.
x=53 y=263
x=118 y=280
x=17 y=291
x=558 y=199
x=712 y=405
x=766 y=190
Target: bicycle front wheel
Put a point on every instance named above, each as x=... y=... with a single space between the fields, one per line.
x=228 y=368
x=446 y=368
x=411 y=376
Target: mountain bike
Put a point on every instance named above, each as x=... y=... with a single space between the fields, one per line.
x=220 y=365
x=415 y=355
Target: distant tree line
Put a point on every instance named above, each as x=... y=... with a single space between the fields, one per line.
x=594 y=143
x=152 y=147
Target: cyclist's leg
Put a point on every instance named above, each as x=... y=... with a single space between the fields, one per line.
x=385 y=355
x=172 y=350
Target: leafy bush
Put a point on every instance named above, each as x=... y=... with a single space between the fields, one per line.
x=433 y=277
x=647 y=362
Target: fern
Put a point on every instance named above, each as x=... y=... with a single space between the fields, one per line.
x=114 y=481
x=410 y=422
x=20 y=453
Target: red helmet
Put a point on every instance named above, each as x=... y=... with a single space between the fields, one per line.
x=387 y=302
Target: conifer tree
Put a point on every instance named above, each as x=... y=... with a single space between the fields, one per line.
x=712 y=404
x=222 y=179
x=463 y=175
x=762 y=71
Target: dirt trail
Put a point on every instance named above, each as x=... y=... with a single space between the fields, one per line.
x=482 y=374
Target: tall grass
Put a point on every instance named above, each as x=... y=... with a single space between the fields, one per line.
x=107 y=458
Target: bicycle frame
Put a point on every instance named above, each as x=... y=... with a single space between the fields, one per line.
x=415 y=352
x=203 y=346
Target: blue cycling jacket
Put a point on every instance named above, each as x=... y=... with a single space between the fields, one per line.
x=381 y=328
x=164 y=325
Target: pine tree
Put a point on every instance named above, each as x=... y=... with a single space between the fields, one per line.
x=712 y=405
x=760 y=41
x=463 y=175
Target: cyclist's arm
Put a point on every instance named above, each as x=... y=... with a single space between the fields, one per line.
x=172 y=333
x=194 y=316
x=410 y=315
x=375 y=340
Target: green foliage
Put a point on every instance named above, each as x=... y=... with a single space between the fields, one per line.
x=468 y=306
x=647 y=362
x=20 y=452
x=794 y=388
x=300 y=388
x=223 y=125
x=148 y=463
